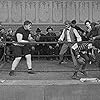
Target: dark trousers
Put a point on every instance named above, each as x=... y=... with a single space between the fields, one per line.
x=97 y=55
x=85 y=56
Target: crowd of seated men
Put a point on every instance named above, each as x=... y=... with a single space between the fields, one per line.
x=46 y=49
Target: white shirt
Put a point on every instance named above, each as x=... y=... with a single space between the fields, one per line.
x=68 y=36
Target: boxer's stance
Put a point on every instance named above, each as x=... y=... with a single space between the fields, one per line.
x=22 y=35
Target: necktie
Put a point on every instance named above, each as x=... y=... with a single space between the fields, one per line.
x=66 y=29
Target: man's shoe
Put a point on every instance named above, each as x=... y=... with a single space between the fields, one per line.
x=59 y=62
x=11 y=73
x=75 y=76
x=84 y=73
x=30 y=71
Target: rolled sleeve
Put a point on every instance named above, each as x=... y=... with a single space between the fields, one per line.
x=62 y=36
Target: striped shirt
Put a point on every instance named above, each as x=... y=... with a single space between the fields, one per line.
x=81 y=47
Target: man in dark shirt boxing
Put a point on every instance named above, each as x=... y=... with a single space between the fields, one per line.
x=22 y=35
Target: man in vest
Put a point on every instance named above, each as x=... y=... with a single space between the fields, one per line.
x=69 y=33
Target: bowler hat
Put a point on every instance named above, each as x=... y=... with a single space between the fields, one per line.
x=49 y=28
x=38 y=30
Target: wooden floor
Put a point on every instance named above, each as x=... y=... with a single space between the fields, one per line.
x=51 y=81
x=46 y=70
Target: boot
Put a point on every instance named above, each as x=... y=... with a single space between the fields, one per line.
x=84 y=72
x=75 y=76
x=30 y=71
x=61 y=59
x=11 y=73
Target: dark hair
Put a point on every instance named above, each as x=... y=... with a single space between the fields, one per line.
x=27 y=22
x=87 y=21
x=73 y=21
x=49 y=28
x=38 y=30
